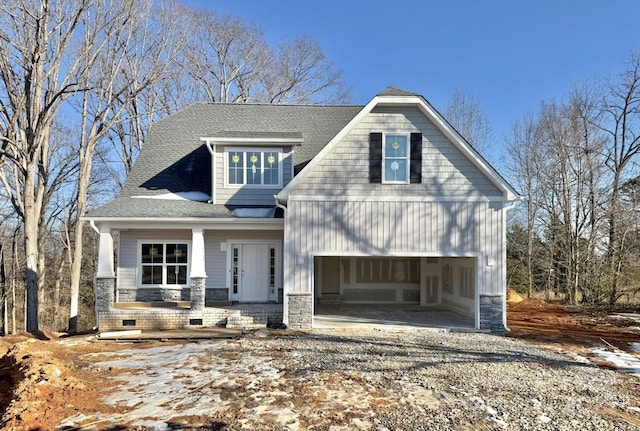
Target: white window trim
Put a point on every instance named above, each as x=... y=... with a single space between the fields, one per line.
x=407 y=157
x=246 y=150
x=277 y=244
x=164 y=242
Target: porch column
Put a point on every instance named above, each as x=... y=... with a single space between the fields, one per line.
x=198 y=275
x=105 y=282
x=105 y=276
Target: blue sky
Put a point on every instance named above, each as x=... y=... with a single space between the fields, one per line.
x=509 y=54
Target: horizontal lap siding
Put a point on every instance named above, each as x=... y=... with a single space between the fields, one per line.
x=445 y=170
x=215 y=258
x=380 y=228
x=128 y=251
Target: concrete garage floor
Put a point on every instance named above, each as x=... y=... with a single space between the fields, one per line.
x=388 y=316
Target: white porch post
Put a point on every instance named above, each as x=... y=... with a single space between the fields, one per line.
x=198 y=273
x=105 y=255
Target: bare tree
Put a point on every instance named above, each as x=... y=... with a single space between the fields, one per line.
x=523 y=162
x=466 y=115
x=36 y=77
x=228 y=61
x=621 y=110
x=124 y=58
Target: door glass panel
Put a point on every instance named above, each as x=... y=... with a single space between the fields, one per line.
x=234 y=270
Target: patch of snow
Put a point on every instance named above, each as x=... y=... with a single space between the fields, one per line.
x=180 y=196
x=635 y=347
x=623 y=361
x=197 y=378
x=254 y=212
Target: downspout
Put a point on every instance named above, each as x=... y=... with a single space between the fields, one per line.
x=504 y=239
x=92 y=223
x=285 y=252
x=211 y=146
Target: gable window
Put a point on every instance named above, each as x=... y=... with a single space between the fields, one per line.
x=254 y=167
x=395 y=159
x=163 y=263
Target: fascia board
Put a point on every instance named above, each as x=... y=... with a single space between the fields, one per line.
x=187 y=222
x=254 y=141
x=509 y=193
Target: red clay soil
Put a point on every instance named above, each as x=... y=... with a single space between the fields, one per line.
x=44 y=382
x=538 y=321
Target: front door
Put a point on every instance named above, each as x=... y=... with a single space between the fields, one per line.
x=254 y=279
x=253 y=272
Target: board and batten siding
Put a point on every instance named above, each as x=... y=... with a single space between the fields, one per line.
x=233 y=195
x=382 y=228
x=215 y=257
x=446 y=171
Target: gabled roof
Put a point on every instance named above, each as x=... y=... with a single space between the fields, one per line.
x=393 y=96
x=174 y=159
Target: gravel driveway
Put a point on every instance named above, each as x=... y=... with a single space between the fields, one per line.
x=369 y=380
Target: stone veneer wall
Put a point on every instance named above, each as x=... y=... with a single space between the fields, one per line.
x=491 y=313
x=300 y=310
x=152 y=294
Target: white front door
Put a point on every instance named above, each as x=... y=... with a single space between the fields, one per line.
x=254 y=274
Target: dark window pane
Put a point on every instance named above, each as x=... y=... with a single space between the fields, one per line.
x=151 y=274
x=176 y=274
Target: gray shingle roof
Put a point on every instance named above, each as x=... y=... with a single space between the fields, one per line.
x=174 y=159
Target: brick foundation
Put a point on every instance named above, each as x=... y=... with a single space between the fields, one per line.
x=245 y=316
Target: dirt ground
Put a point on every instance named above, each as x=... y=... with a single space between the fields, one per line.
x=43 y=381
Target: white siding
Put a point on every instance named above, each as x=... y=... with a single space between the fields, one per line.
x=215 y=258
x=445 y=170
x=128 y=251
x=395 y=228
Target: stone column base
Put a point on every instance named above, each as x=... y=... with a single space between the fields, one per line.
x=300 y=310
x=105 y=293
x=197 y=293
x=492 y=313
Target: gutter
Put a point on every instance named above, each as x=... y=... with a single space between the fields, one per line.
x=92 y=223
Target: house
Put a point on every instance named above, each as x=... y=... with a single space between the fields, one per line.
x=244 y=214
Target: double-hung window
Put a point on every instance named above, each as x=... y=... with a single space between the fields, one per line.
x=395 y=159
x=163 y=263
x=254 y=167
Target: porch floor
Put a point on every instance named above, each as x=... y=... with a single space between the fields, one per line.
x=389 y=316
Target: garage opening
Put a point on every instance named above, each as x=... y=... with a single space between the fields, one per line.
x=413 y=291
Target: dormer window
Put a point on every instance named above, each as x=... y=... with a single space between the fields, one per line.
x=254 y=167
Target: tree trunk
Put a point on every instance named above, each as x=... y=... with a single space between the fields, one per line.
x=31 y=218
